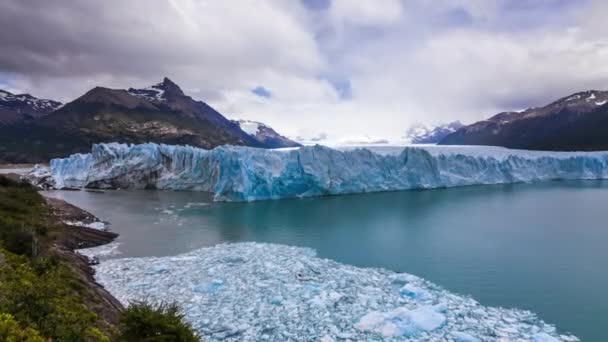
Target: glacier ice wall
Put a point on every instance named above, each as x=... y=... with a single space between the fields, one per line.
x=235 y=173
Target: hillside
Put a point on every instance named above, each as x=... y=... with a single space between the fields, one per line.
x=161 y=113
x=574 y=123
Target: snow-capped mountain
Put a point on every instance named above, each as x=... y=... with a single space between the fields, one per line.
x=265 y=134
x=421 y=134
x=23 y=107
x=575 y=122
x=160 y=113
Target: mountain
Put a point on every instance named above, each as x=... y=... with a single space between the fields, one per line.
x=265 y=135
x=420 y=134
x=573 y=123
x=161 y=113
x=23 y=107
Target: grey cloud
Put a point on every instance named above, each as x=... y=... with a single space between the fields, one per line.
x=337 y=66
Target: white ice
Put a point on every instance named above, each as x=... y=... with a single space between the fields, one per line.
x=266 y=292
x=99 y=225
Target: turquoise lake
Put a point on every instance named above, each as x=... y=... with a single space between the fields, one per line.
x=540 y=247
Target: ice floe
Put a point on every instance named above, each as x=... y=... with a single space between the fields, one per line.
x=267 y=292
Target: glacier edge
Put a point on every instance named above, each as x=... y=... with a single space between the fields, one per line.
x=235 y=173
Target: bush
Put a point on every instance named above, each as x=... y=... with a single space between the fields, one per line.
x=22 y=217
x=162 y=322
x=10 y=331
x=37 y=294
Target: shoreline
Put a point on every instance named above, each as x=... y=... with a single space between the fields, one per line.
x=73 y=237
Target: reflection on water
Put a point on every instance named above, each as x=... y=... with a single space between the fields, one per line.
x=534 y=246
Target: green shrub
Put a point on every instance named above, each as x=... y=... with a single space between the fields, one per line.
x=10 y=331
x=145 y=322
x=37 y=294
x=22 y=217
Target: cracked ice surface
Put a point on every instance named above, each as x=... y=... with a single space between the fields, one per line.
x=257 y=292
x=235 y=173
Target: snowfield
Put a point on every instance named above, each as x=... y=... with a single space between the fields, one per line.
x=235 y=173
x=266 y=292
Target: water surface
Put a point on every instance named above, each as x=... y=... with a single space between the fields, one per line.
x=532 y=246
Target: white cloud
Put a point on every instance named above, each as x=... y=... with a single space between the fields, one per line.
x=370 y=13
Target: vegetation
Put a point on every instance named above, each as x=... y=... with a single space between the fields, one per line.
x=42 y=296
x=10 y=331
x=39 y=292
x=146 y=322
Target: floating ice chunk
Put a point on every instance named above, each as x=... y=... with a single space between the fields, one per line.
x=544 y=337
x=402 y=322
x=414 y=292
x=327 y=338
x=460 y=336
x=209 y=288
x=157 y=269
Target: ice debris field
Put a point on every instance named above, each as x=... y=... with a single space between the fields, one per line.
x=235 y=173
x=267 y=292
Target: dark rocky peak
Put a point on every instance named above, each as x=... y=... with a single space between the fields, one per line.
x=581 y=102
x=107 y=96
x=27 y=101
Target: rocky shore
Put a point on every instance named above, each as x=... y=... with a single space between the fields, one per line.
x=100 y=301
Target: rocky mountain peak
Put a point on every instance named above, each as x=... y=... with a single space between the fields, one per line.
x=159 y=92
x=16 y=108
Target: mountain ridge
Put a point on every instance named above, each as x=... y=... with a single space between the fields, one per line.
x=571 y=123
x=160 y=113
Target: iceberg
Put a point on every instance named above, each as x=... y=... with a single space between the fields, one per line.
x=236 y=173
x=267 y=292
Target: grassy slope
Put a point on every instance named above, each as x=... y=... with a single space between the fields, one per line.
x=40 y=286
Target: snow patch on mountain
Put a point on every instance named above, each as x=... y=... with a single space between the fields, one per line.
x=421 y=134
x=7 y=99
x=265 y=134
x=154 y=93
x=250 y=127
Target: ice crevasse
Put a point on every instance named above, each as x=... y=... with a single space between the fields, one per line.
x=236 y=173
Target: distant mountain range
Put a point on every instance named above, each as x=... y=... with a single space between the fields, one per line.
x=265 y=135
x=23 y=108
x=34 y=130
x=578 y=122
x=421 y=134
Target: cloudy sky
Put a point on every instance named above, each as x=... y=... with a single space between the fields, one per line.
x=343 y=67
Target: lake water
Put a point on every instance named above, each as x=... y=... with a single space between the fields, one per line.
x=540 y=247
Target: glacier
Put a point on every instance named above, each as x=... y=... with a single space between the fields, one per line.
x=236 y=173
x=266 y=292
